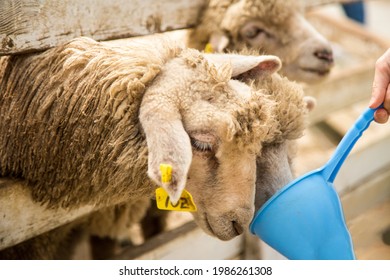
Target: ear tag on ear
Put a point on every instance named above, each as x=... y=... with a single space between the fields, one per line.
x=208 y=48
x=185 y=203
x=166 y=173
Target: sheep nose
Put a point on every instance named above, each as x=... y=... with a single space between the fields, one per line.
x=238 y=227
x=324 y=54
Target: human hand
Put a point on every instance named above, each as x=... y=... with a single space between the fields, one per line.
x=380 y=88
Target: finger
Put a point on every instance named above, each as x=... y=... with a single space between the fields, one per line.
x=386 y=103
x=381 y=116
x=381 y=80
x=379 y=88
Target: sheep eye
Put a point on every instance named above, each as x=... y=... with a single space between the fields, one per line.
x=253 y=32
x=201 y=146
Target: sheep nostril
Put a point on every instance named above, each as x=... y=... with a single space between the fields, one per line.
x=239 y=229
x=325 y=55
x=386 y=236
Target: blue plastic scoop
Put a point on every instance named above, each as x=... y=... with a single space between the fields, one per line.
x=304 y=220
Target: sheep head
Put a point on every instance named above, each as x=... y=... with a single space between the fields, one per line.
x=210 y=129
x=275 y=27
x=274 y=165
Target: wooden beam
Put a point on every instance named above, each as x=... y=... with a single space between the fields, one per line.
x=22 y=219
x=366 y=159
x=371 y=192
x=32 y=25
x=341 y=91
x=187 y=242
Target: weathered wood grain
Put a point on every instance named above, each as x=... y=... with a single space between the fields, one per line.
x=21 y=218
x=28 y=25
x=35 y=25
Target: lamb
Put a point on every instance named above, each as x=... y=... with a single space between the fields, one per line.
x=94 y=124
x=275 y=27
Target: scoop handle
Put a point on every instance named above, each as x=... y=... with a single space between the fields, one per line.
x=346 y=144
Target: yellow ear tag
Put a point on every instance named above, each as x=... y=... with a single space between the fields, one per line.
x=208 y=48
x=166 y=173
x=185 y=203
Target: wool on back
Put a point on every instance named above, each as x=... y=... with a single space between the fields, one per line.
x=69 y=120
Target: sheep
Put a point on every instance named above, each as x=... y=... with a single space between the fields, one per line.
x=153 y=223
x=85 y=123
x=274 y=165
x=275 y=27
x=291 y=112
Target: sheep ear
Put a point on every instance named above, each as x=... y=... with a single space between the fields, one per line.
x=168 y=143
x=218 y=42
x=248 y=66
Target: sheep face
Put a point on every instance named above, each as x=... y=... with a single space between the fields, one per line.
x=274 y=156
x=222 y=184
x=274 y=166
x=210 y=129
x=274 y=27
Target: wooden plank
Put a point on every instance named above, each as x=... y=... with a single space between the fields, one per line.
x=354 y=37
x=187 y=242
x=361 y=164
x=341 y=91
x=370 y=193
x=30 y=25
x=22 y=219
x=367 y=156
